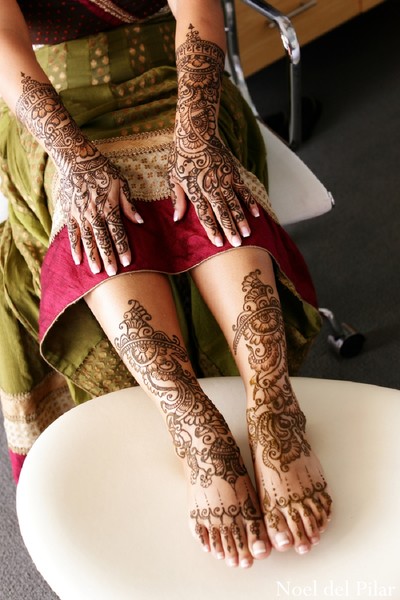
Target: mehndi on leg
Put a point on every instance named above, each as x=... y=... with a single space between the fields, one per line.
x=240 y=289
x=137 y=313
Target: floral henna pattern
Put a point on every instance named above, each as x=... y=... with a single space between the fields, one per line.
x=272 y=506
x=200 y=162
x=274 y=419
x=224 y=520
x=199 y=432
x=87 y=177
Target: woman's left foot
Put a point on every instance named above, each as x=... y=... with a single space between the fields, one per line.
x=291 y=486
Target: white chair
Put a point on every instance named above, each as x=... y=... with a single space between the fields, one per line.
x=102 y=502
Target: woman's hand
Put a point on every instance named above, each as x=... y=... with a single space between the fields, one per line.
x=200 y=165
x=208 y=174
x=93 y=194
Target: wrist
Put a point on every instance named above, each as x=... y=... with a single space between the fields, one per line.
x=42 y=112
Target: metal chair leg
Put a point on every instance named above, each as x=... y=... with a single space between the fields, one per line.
x=345 y=341
x=292 y=48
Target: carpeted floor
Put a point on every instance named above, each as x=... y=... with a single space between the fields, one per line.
x=352 y=252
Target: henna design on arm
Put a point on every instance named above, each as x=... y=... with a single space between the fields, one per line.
x=200 y=162
x=200 y=434
x=89 y=189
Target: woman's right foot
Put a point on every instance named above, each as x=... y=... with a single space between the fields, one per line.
x=225 y=516
x=224 y=510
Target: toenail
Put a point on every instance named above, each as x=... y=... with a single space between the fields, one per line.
x=259 y=547
x=303 y=549
x=220 y=555
x=245 y=563
x=282 y=539
x=232 y=562
x=315 y=540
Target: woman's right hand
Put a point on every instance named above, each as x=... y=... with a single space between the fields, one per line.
x=92 y=192
x=93 y=195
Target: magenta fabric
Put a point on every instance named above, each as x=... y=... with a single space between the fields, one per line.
x=161 y=245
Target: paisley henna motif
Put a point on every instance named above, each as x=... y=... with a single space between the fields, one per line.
x=199 y=432
x=274 y=419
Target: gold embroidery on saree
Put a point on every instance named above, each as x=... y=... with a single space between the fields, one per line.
x=27 y=414
x=114 y=10
x=143 y=160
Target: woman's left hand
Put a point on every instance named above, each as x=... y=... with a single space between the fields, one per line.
x=202 y=168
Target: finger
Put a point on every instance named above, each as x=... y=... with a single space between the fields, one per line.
x=127 y=205
x=179 y=201
x=207 y=219
x=238 y=215
x=74 y=236
x=243 y=192
x=118 y=235
x=89 y=245
x=226 y=220
x=102 y=239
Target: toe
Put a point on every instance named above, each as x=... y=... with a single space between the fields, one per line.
x=229 y=547
x=278 y=530
x=200 y=533
x=240 y=539
x=310 y=524
x=302 y=544
x=216 y=545
x=320 y=515
x=257 y=539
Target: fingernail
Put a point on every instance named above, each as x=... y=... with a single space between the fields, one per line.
x=95 y=269
x=282 y=539
x=125 y=261
x=259 y=547
x=138 y=218
x=76 y=260
x=176 y=216
x=254 y=210
x=245 y=231
x=111 y=270
x=245 y=563
x=236 y=241
x=218 y=241
x=302 y=549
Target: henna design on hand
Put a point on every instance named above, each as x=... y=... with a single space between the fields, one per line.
x=199 y=432
x=274 y=419
x=200 y=162
x=89 y=185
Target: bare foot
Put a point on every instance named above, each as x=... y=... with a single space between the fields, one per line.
x=291 y=485
x=225 y=516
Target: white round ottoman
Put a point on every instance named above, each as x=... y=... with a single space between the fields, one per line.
x=102 y=510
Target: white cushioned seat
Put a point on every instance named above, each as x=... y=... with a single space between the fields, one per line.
x=101 y=502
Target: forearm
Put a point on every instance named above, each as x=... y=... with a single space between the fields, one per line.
x=206 y=16
x=17 y=55
x=28 y=92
